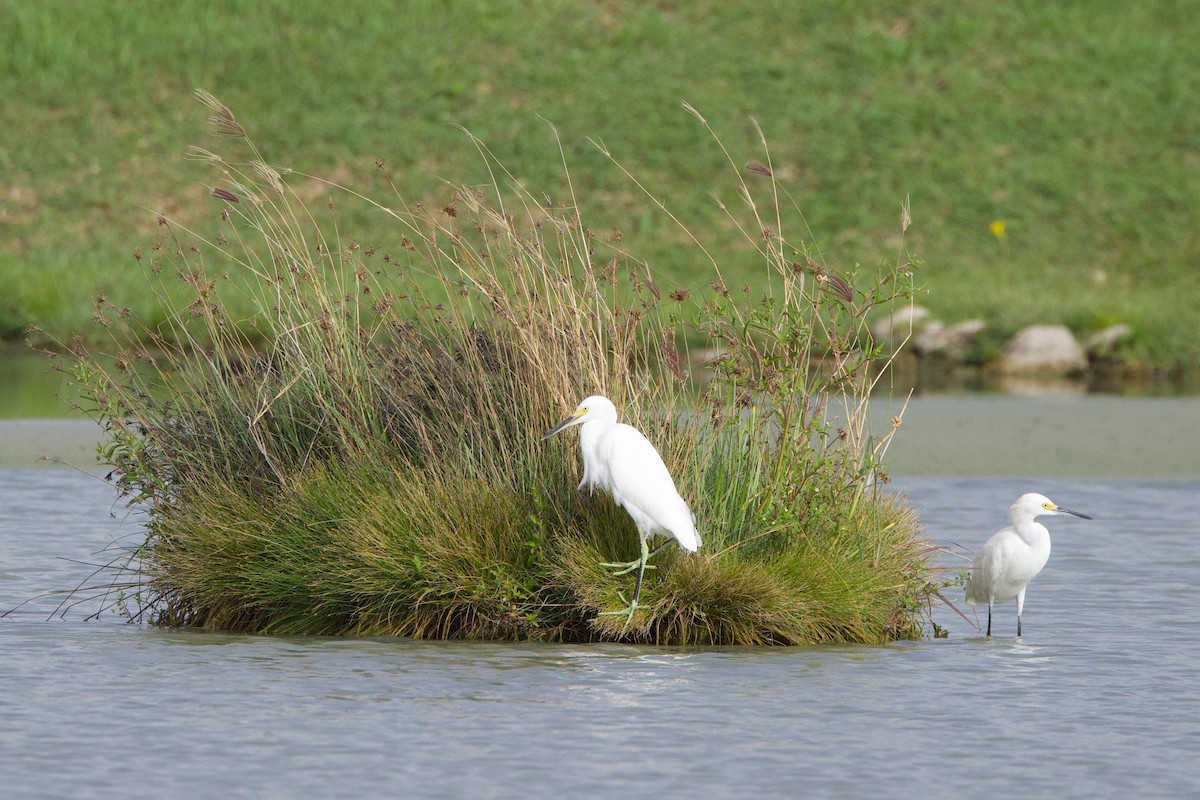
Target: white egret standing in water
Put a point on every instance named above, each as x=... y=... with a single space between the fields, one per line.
x=1009 y=560
x=622 y=462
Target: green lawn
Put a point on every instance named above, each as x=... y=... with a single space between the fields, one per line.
x=1073 y=123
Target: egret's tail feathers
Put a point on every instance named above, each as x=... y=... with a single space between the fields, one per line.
x=974 y=592
x=688 y=539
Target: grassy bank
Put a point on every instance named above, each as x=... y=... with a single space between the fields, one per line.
x=1071 y=123
x=359 y=456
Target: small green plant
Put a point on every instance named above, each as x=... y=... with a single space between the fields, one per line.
x=361 y=453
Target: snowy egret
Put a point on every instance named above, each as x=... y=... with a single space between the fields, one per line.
x=1009 y=560
x=621 y=461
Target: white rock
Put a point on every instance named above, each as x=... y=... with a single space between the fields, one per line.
x=1043 y=348
x=952 y=341
x=899 y=324
x=1102 y=342
x=926 y=340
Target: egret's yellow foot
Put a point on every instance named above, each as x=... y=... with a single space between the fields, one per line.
x=629 y=611
x=625 y=567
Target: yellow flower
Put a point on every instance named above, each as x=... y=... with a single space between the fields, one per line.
x=997 y=228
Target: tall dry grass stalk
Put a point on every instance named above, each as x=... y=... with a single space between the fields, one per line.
x=359 y=453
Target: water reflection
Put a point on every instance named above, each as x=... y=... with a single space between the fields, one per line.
x=934 y=377
x=1045 y=436
x=33 y=386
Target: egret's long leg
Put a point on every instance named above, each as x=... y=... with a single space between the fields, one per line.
x=631 y=609
x=1020 y=608
x=989 y=633
x=637 y=587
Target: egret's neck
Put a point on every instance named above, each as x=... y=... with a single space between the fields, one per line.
x=1032 y=532
x=592 y=430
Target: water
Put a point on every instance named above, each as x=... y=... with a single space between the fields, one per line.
x=1099 y=698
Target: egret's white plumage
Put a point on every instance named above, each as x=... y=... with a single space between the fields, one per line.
x=1009 y=560
x=620 y=460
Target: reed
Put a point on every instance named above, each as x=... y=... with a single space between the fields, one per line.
x=360 y=455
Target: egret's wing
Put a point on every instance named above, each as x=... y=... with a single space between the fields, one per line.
x=985 y=569
x=639 y=477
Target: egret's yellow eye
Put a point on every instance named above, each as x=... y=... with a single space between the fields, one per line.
x=1048 y=506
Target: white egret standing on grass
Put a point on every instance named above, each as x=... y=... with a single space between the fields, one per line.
x=1009 y=560
x=622 y=462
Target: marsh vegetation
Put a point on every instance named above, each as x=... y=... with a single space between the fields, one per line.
x=360 y=454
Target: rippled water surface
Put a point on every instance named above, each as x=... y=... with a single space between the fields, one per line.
x=1099 y=699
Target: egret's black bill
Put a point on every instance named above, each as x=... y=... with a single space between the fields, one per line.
x=566 y=422
x=1062 y=510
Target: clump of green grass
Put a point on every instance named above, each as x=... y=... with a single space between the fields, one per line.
x=362 y=455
